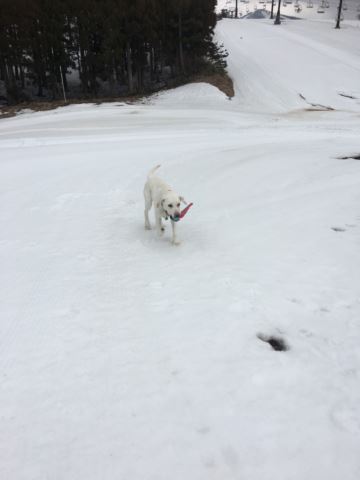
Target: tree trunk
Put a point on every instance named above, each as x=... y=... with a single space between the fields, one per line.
x=277 y=19
x=129 y=68
x=272 y=9
x=339 y=15
x=181 y=52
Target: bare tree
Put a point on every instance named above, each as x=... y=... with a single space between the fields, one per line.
x=339 y=14
x=272 y=9
x=277 y=19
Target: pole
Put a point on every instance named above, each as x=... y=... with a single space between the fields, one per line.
x=339 y=14
x=272 y=9
x=236 y=8
x=277 y=19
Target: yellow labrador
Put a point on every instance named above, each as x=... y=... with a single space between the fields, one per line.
x=166 y=204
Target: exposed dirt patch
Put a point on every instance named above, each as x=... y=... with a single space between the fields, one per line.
x=346 y=95
x=10 y=111
x=316 y=107
x=219 y=80
x=356 y=156
x=276 y=342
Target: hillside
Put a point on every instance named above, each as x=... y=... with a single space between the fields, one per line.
x=125 y=357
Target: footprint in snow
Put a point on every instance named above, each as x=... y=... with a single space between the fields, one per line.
x=345 y=416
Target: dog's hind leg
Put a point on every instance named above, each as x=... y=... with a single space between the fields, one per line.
x=148 y=203
x=147 y=221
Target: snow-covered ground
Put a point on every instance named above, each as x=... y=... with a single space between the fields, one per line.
x=124 y=357
x=275 y=66
x=310 y=9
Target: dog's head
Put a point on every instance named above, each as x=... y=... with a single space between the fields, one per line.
x=171 y=205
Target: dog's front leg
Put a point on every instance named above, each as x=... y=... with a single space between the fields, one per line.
x=159 y=227
x=174 y=240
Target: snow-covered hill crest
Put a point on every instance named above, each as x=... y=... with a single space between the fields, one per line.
x=125 y=357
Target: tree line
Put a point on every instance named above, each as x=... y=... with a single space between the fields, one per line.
x=102 y=47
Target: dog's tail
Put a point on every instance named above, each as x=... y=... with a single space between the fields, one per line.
x=153 y=170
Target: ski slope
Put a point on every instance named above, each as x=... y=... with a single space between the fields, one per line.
x=350 y=10
x=125 y=357
x=281 y=64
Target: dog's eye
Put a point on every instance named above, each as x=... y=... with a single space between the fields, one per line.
x=170 y=205
x=178 y=204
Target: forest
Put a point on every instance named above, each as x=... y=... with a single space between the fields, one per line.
x=98 y=48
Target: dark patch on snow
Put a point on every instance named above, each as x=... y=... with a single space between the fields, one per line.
x=356 y=156
x=316 y=106
x=338 y=229
x=277 y=343
x=347 y=96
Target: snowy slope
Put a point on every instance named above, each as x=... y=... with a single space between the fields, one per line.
x=124 y=357
x=350 y=11
x=280 y=63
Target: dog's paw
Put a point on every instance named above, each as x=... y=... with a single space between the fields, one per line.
x=176 y=242
x=147 y=227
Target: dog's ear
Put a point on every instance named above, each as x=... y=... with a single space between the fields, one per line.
x=162 y=204
x=182 y=199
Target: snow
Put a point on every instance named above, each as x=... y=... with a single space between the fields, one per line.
x=317 y=67
x=200 y=94
x=350 y=10
x=125 y=357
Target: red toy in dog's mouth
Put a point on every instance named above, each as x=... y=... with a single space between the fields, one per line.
x=182 y=213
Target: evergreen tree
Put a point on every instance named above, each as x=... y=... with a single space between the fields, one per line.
x=114 y=46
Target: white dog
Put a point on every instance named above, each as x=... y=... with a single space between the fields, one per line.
x=166 y=204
